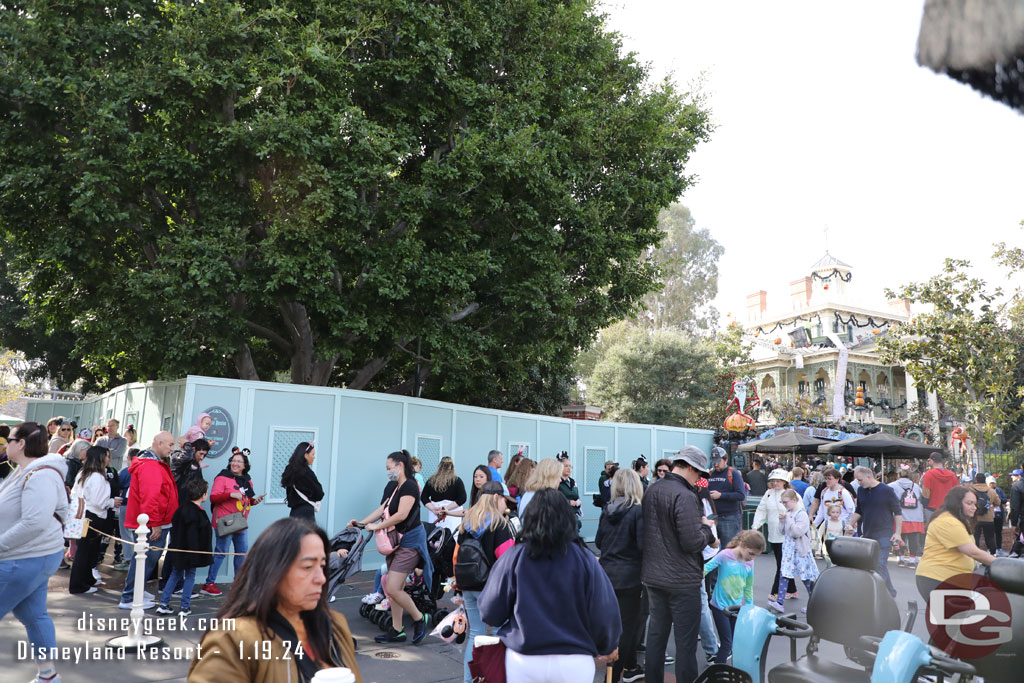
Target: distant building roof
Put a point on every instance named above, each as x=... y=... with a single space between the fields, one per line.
x=829 y=261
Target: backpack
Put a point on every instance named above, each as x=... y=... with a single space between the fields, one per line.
x=983 y=503
x=908 y=501
x=471 y=564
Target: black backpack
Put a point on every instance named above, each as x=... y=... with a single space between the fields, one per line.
x=471 y=564
x=908 y=501
x=983 y=503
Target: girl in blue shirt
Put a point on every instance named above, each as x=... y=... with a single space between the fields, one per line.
x=735 y=584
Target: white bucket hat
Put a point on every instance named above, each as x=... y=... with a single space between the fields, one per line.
x=779 y=474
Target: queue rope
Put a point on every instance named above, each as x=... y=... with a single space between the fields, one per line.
x=170 y=550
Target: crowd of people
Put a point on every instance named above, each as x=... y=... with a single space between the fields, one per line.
x=671 y=552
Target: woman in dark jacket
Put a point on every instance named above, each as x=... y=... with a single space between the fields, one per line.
x=549 y=568
x=304 y=492
x=620 y=539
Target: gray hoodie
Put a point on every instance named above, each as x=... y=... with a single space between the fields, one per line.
x=27 y=525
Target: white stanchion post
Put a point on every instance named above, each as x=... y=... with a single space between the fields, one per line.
x=136 y=638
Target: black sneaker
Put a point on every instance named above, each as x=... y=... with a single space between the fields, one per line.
x=391 y=636
x=630 y=675
x=420 y=628
x=641 y=647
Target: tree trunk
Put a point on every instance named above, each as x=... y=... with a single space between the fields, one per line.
x=244 y=365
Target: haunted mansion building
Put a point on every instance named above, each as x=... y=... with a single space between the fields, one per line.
x=819 y=362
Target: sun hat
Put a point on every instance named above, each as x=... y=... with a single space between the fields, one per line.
x=779 y=474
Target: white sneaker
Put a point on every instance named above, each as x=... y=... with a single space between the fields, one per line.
x=372 y=598
x=96 y=575
x=383 y=605
x=776 y=607
x=91 y=590
x=145 y=605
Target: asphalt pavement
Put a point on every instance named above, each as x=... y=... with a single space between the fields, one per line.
x=82 y=623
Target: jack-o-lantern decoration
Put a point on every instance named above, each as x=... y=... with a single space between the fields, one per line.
x=737 y=422
x=876 y=331
x=859 y=400
x=778 y=340
x=826 y=286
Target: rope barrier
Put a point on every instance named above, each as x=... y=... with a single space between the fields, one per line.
x=170 y=550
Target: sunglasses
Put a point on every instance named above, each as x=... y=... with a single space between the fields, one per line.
x=64 y=429
x=662 y=470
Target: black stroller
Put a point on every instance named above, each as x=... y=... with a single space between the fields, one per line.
x=440 y=547
x=340 y=568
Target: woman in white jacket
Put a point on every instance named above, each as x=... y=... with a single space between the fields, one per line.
x=768 y=512
x=92 y=486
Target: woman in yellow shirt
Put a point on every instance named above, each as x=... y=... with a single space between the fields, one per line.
x=949 y=547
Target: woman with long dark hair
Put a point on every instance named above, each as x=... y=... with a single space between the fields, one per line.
x=232 y=492
x=33 y=507
x=278 y=603
x=556 y=603
x=91 y=485
x=304 y=491
x=949 y=547
x=400 y=510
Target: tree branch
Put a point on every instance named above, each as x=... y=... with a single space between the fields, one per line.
x=469 y=310
x=277 y=340
x=368 y=372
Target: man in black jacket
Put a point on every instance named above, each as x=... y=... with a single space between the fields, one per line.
x=1016 y=509
x=675 y=534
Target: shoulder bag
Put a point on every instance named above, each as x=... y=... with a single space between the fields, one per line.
x=387 y=540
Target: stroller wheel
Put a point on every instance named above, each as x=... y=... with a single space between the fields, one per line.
x=363 y=611
x=384 y=622
x=439 y=615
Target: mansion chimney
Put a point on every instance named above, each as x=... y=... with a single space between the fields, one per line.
x=800 y=293
x=900 y=307
x=757 y=303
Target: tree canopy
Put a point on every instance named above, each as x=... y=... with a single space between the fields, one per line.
x=375 y=194
x=687 y=260
x=963 y=348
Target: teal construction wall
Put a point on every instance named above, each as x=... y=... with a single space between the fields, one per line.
x=355 y=430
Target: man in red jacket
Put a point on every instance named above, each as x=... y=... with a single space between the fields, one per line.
x=154 y=493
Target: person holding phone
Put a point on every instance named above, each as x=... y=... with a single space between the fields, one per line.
x=232 y=492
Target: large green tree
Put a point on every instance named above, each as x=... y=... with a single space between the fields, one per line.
x=687 y=260
x=381 y=194
x=962 y=349
x=663 y=376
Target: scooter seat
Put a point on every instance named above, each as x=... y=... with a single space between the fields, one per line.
x=814 y=669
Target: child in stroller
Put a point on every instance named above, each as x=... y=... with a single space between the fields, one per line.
x=346 y=557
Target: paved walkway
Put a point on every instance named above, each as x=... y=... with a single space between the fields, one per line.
x=77 y=620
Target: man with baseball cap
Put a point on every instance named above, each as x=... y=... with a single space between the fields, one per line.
x=675 y=534
x=727 y=489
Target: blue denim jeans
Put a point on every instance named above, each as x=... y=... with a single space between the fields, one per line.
x=23 y=592
x=156 y=548
x=728 y=526
x=240 y=541
x=708 y=634
x=884 y=548
x=476 y=628
x=188 y=579
x=127 y=549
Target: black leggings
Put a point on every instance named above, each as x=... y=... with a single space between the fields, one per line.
x=989 y=530
x=998 y=523
x=777 y=549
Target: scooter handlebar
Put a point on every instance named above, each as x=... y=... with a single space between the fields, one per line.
x=792 y=628
x=942 y=661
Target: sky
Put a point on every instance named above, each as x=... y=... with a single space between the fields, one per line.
x=824 y=119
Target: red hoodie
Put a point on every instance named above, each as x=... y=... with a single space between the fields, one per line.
x=152 y=492
x=938 y=481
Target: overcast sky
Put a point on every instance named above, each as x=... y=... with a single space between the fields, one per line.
x=825 y=119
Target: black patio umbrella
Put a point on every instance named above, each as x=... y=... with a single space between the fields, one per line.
x=880 y=443
x=790 y=442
